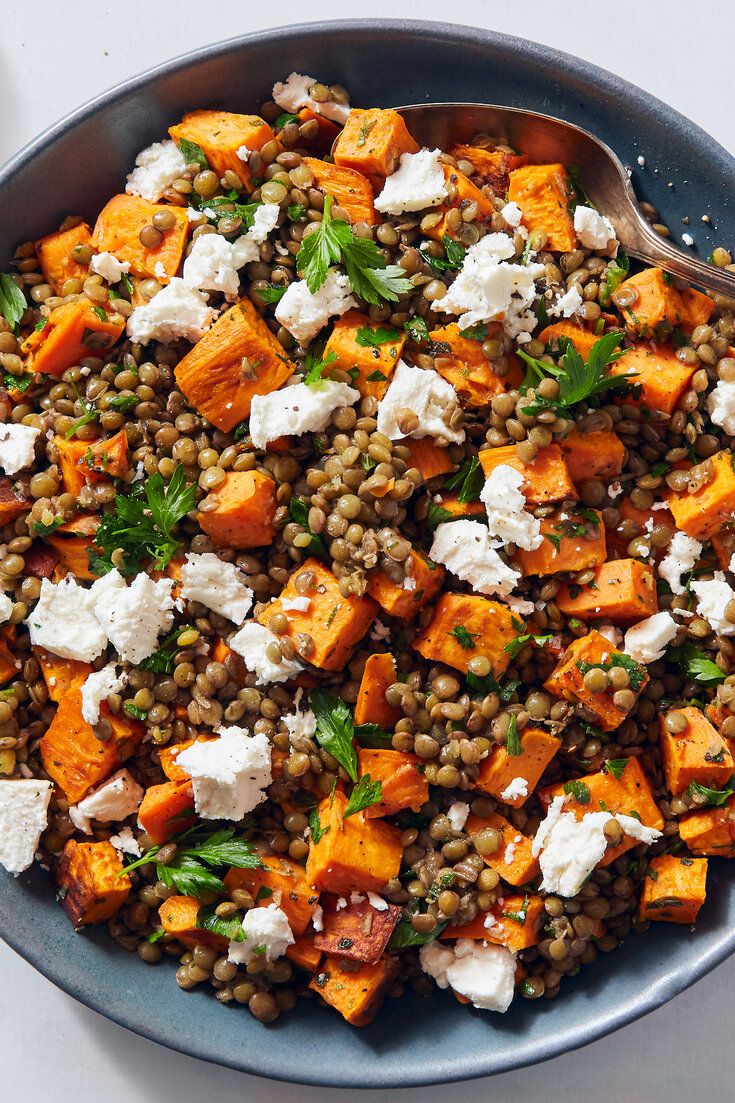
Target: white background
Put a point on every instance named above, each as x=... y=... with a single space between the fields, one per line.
x=55 y=55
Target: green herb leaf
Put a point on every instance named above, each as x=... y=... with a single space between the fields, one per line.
x=17 y=382
x=578 y=380
x=317 y=831
x=464 y=638
x=46 y=530
x=476 y=333
x=417 y=330
x=314 y=366
x=636 y=671
x=91 y=413
x=696 y=664
x=298 y=511
x=376 y=377
x=468 y=480
x=454 y=254
x=516 y=645
x=285 y=119
x=335 y=729
x=436 y=515
x=367 y=337
x=123 y=402
x=273 y=293
x=365 y=129
x=513 y=744
x=578 y=790
x=162 y=660
x=373 y=736
x=13 y=303
x=615 y=766
x=616 y=272
x=188 y=870
x=405 y=936
x=481 y=686
x=192 y=153
x=519 y=916
x=714 y=797
x=228 y=927
x=364 y=795
x=296 y=211
x=134 y=711
x=263 y=893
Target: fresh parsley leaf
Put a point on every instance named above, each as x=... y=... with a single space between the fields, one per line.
x=579 y=790
x=516 y=645
x=284 y=119
x=263 y=893
x=464 y=638
x=695 y=664
x=99 y=311
x=273 y=293
x=192 y=153
x=376 y=377
x=17 y=382
x=317 y=831
x=242 y=431
x=134 y=711
x=373 y=736
x=155 y=936
x=615 y=766
x=513 y=744
x=520 y=915
x=127 y=283
x=365 y=129
x=636 y=672
x=91 y=413
x=454 y=254
x=123 y=402
x=476 y=333
x=417 y=330
x=335 y=729
x=298 y=511
x=468 y=481
x=46 y=530
x=366 y=793
x=578 y=380
x=314 y=367
x=404 y=935
x=228 y=927
x=714 y=797
x=13 y=303
x=296 y=211
x=367 y=337
x=162 y=660
x=481 y=686
x=436 y=515
x=616 y=272
x=197 y=854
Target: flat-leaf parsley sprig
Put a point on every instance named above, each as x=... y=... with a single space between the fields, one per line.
x=578 y=379
x=189 y=862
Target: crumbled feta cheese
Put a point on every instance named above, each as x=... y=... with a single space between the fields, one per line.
x=213 y=263
x=296 y=604
x=566 y=304
x=6 y=608
x=712 y=597
x=295 y=93
x=593 y=229
x=220 y=586
x=687 y=239
x=356 y=898
x=126 y=842
x=116 y=799
x=251 y=643
x=377 y=902
x=17 y=447
x=646 y=642
x=457 y=814
x=512 y=214
x=341 y=904
x=23 y=817
x=100 y=685
x=518 y=787
x=510 y=851
x=156 y=168
x=230 y=774
x=133 y=616
x=615 y=490
x=683 y=552
x=611 y=633
x=417 y=183
x=64 y=622
x=521 y=606
x=379 y=632
x=298 y=409
x=423 y=392
x=508 y=518
x=304 y=314
x=109 y=267
x=175 y=311
x=641 y=160
x=466 y=549
x=480 y=971
x=300 y=725
x=487 y=290
x=721 y=406
x=317 y=918
x=267 y=935
x=243 y=153
x=408 y=583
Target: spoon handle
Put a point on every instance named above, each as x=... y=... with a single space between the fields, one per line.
x=646 y=245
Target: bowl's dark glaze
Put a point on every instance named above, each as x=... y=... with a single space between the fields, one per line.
x=74 y=167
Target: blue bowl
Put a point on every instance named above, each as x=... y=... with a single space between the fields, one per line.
x=74 y=167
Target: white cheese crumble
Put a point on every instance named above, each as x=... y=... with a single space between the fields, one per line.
x=377 y=902
x=6 y=608
x=267 y=935
x=518 y=787
x=421 y=391
x=612 y=634
x=593 y=229
x=300 y=725
x=721 y=406
x=175 y=311
x=229 y=774
x=417 y=183
x=521 y=606
x=219 y=585
x=64 y=622
x=712 y=597
x=512 y=214
x=126 y=842
x=641 y=160
x=100 y=685
x=304 y=314
x=683 y=552
x=295 y=93
x=508 y=518
x=17 y=447
x=487 y=290
x=23 y=817
x=567 y=304
x=116 y=799
x=133 y=616
x=466 y=549
x=251 y=643
x=296 y=604
x=156 y=168
x=646 y=642
x=213 y=263
x=457 y=814
x=298 y=409
x=109 y=267
x=687 y=239
x=317 y=918
x=480 y=971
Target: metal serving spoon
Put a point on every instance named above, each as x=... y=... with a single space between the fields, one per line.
x=547 y=139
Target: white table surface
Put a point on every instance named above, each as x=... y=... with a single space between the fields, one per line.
x=53 y=56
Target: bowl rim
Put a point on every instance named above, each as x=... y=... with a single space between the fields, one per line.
x=668 y=984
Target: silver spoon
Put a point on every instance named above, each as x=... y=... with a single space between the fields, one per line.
x=548 y=140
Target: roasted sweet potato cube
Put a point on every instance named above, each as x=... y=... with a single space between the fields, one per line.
x=72 y=331
x=570 y=544
x=662 y=376
x=699 y=754
x=401 y=600
x=243 y=517
x=282 y=882
x=178 y=916
x=429 y=458
x=71 y=555
x=71 y=754
x=711 y=831
x=492 y=166
x=326 y=131
x=598 y=455
x=567 y=679
x=516 y=923
x=499 y=769
x=622 y=591
x=353 y=343
x=117 y=231
x=371 y=706
x=219 y=134
x=60 y=675
x=108 y=458
x=488 y=624
x=71 y=463
x=42 y=561
x=403 y=784
x=166 y=810
x=702 y=513
x=304 y=953
x=349 y=189
x=513 y=859
x=674 y=889
x=335 y=623
x=357 y=931
x=10 y=667
x=356 y=993
x=546 y=479
x=356 y=854
x=696 y=308
x=542 y=192
x=372 y=142
x=466 y=367
x=55 y=257
x=656 y=307
x=452 y=506
x=13 y=502
x=92 y=885
x=723 y=545
x=462 y=191
x=581 y=338
x=236 y=359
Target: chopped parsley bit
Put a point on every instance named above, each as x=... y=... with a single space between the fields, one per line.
x=263 y=893
x=578 y=790
x=469 y=480
x=367 y=337
x=614 y=276
x=377 y=377
x=513 y=744
x=229 y=927
x=464 y=638
x=296 y=211
x=364 y=795
x=578 y=380
x=636 y=672
x=317 y=831
x=315 y=366
x=365 y=129
x=436 y=515
x=519 y=916
x=198 y=854
x=91 y=413
x=714 y=797
x=162 y=660
x=571 y=528
x=284 y=119
x=516 y=645
x=123 y=402
x=454 y=254
x=273 y=293
x=335 y=729
x=696 y=664
x=298 y=511
x=480 y=686
x=134 y=711
x=192 y=153
x=13 y=303
x=615 y=766
x=417 y=330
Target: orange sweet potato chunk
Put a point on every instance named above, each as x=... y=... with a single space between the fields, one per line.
x=622 y=591
x=499 y=769
x=72 y=331
x=489 y=624
x=54 y=254
x=674 y=889
x=711 y=831
x=696 y=309
x=574 y=553
x=358 y=931
x=356 y=854
x=704 y=512
x=582 y=339
x=513 y=859
x=220 y=134
x=699 y=754
x=461 y=192
x=282 y=882
x=372 y=142
x=466 y=367
x=547 y=478
x=371 y=706
x=542 y=192
x=516 y=923
x=662 y=376
x=91 y=881
x=396 y=598
x=567 y=680
x=492 y=166
x=246 y=506
x=403 y=784
x=178 y=917
x=13 y=502
x=326 y=131
x=166 y=810
x=429 y=458
x=60 y=674
x=356 y=993
x=373 y=363
x=304 y=953
x=236 y=359
x=598 y=455
x=117 y=231
x=657 y=306
x=335 y=623
x=349 y=189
